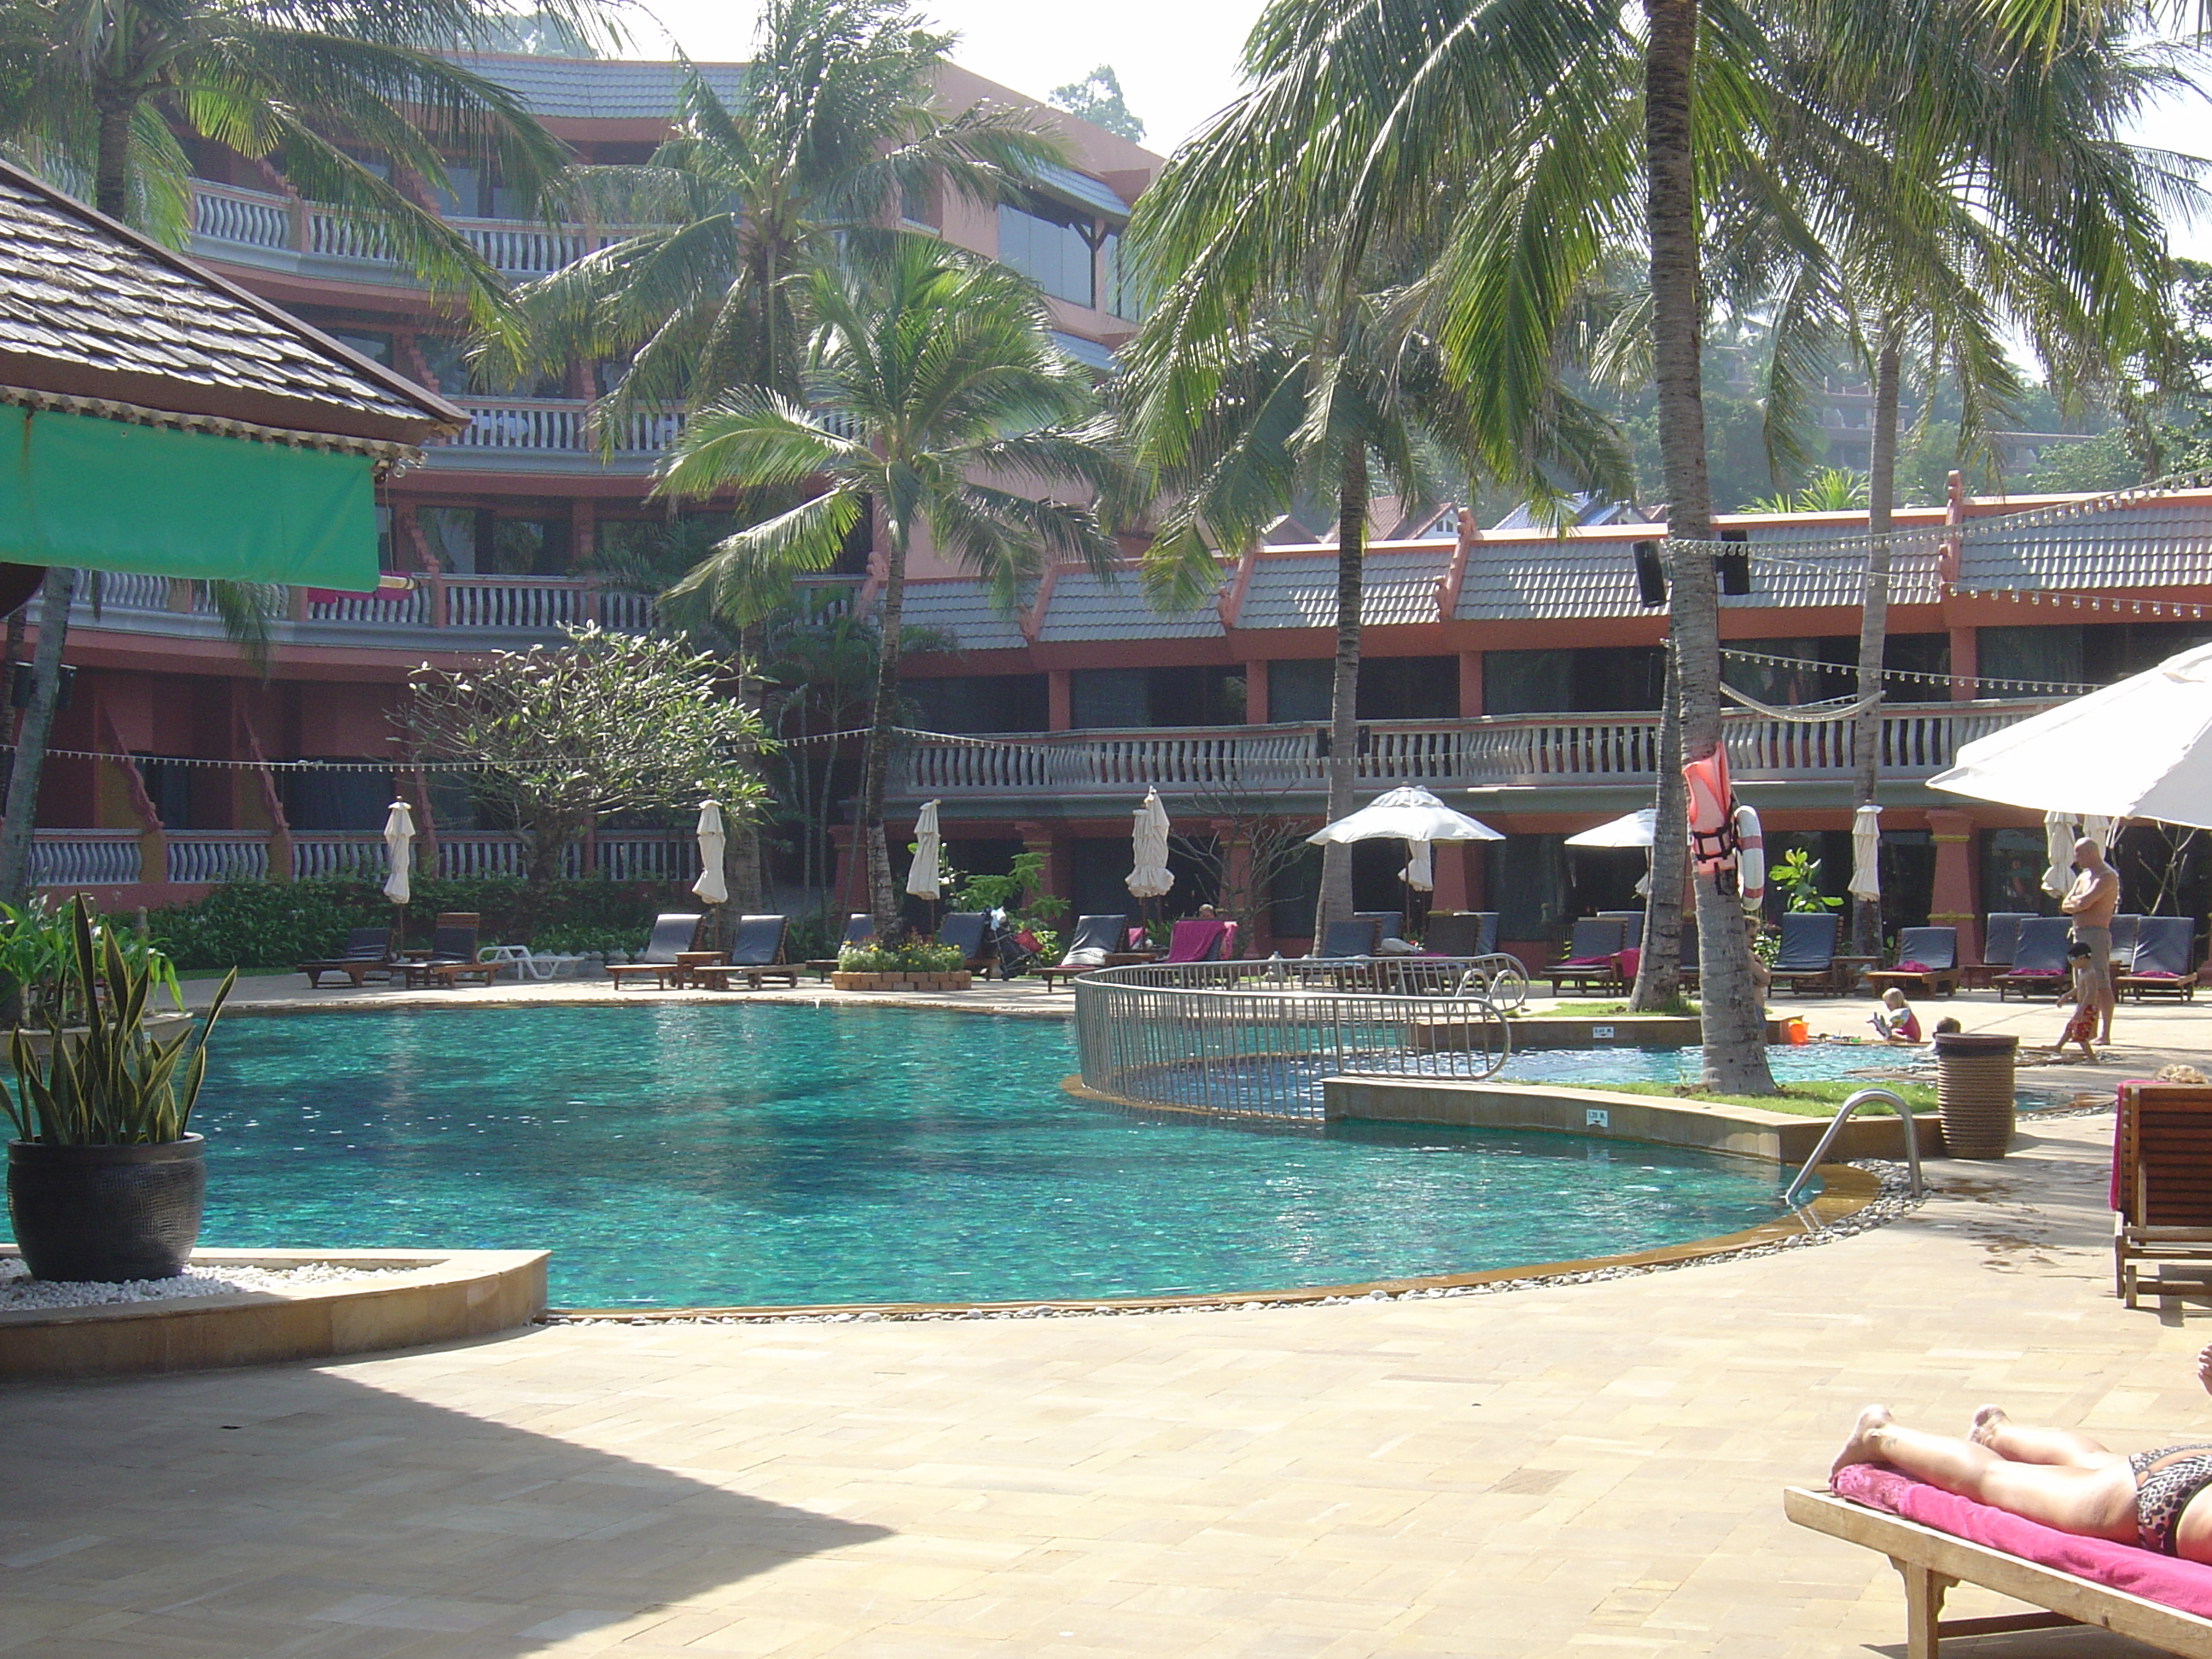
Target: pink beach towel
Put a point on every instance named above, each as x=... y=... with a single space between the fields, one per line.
x=1193 y=940
x=2162 y=1579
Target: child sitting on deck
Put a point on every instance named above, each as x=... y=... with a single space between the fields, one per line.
x=1895 y=1019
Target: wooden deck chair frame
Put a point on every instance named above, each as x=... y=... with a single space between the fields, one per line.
x=2162 y=1175
x=2179 y=935
x=2051 y=934
x=1935 y=982
x=1931 y=1562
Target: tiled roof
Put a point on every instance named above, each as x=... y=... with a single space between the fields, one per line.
x=601 y=89
x=1824 y=572
x=2164 y=543
x=1083 y=607
x=964 y=610
x=91 y=309
x=1300 y=591
x=1550 y=579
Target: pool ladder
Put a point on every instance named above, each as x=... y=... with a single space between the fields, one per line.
x=1836 y=1127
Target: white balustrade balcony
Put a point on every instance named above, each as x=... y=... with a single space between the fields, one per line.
x=1508 y=751
x=114 y=857
x=257 y=228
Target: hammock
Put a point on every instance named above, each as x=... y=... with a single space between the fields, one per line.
x=1808 y=714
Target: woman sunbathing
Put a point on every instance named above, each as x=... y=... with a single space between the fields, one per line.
x=2064 y=1481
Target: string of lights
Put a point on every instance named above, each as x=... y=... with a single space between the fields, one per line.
x=1911 y=676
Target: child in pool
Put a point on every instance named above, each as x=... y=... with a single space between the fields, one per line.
x=2081 y=1027
x=1895 y=1019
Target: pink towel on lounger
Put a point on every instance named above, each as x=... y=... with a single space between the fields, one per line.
x=1193 y=940
x=1912 y=968
x=2162 y=1579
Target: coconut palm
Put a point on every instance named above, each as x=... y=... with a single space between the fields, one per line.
x=1239 y=425
x=836 y=131
x=931 y=370
x=347 y=98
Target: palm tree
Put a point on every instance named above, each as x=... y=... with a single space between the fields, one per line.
x=931 y=370
x=836 y=133
x=347 y=98
x=1239 y=425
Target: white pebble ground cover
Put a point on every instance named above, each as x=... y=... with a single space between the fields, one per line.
x=19 y=1291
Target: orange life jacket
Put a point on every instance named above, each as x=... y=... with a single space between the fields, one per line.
x=1713 y=807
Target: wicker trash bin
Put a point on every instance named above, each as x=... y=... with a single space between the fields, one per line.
x=1973 y=1092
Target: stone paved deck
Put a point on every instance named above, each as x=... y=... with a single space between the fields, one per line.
x=1579 y=1470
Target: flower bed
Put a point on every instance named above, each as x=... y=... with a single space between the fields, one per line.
x=961 y=979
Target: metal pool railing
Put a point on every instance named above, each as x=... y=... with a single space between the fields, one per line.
x=1256 y=1038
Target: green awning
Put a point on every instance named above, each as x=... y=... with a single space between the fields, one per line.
x=101 y=494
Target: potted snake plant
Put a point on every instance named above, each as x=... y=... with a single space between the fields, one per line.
x=105 y=1182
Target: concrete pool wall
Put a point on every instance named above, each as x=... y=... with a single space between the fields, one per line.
x=1604 y=1114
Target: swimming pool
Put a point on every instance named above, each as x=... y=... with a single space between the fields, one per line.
x=778 y=1154
x=1808 y=1062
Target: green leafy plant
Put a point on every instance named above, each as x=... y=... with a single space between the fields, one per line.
x=914 y=956
x=1798 y=877
x=109 y=1084
x=1010 y=892
x=37 y=951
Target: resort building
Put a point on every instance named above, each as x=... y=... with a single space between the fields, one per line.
x=1513 y=671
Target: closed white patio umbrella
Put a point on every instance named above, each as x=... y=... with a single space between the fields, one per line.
x=2141 y=748
x=399 y=845
x=1420 y=871
x=2058 y=854
x=925 y=877
x=712 y=887
x=1629 y=830
x=1866 y=853
x=1151 y=878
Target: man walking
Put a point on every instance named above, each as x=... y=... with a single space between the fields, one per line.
x=2093 y=900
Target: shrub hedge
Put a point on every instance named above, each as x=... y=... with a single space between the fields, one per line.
x=264 y=924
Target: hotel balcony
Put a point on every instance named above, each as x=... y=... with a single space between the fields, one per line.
x=298 y=238
x=438 y=613
x=1513 y=763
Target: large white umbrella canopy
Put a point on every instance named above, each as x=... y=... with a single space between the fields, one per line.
x=2141 y=748
x=1151 y=879
x=925 y=877
x=1629 y=830
x=1405 y=815
x=1866 y=853
x=711 y=888
x=398 y=840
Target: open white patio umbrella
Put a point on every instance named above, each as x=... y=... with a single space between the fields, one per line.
x=398 y=842
x=1405 y=815
x=1151 y=879
x=711 y=888
x=1629 y=830
x=2141 y=748
x=925 y=877
x=1866 y=853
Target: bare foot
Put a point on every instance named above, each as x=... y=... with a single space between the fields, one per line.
x=2205 y=1367
x=1861 y=1447
x=1987 y=1422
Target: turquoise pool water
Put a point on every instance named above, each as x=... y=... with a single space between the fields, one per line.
x=788 y=1155
x=1808 y=1062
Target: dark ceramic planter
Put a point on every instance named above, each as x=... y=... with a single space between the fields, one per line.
x=106 y=1213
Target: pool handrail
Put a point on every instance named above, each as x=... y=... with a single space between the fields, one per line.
x=1836 y=1127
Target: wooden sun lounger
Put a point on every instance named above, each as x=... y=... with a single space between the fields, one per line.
x=1931 y=1562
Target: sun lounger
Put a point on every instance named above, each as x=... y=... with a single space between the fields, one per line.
x=1807 y=960
x=1353 y=935
x=2165 y=960
x=367 y=950
x=2000 y=939
x=674 y=934
x=2161 y=1190
x=452 y=955
x=1388 y=924
x=1593 y=958
x=756 y=955
x=1462 y=933
x=970 y=931
x=1094 y=939
x=1927 y=962
x=1935 y=1539
x=2039 y=960
x=2126 y=929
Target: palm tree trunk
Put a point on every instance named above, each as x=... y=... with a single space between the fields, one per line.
x=876 y=758
x=1874 y=611
x=1734 y=1017
x=1659 y=967
x=22 y=804
x=1336 y=904
x=110 y=179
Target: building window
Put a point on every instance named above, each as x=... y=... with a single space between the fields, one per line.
x=2027 y=653
x=1408 y=687
x=1116 y=699
x=1529 y=884
x=1051 y=245
x=1123 y=299
x=1298 y=692
x=372 y=345
x=981 y=702
x=1782 y=685
x=2012 y=871
x=475 y=541
x=447 y=359
x=450 y=533
x=337 y=801
x=918 y=206
x=1597 y=679
x=169 y=786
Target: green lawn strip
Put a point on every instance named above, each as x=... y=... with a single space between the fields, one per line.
x=1799 y=1099
x=1608 y=1010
